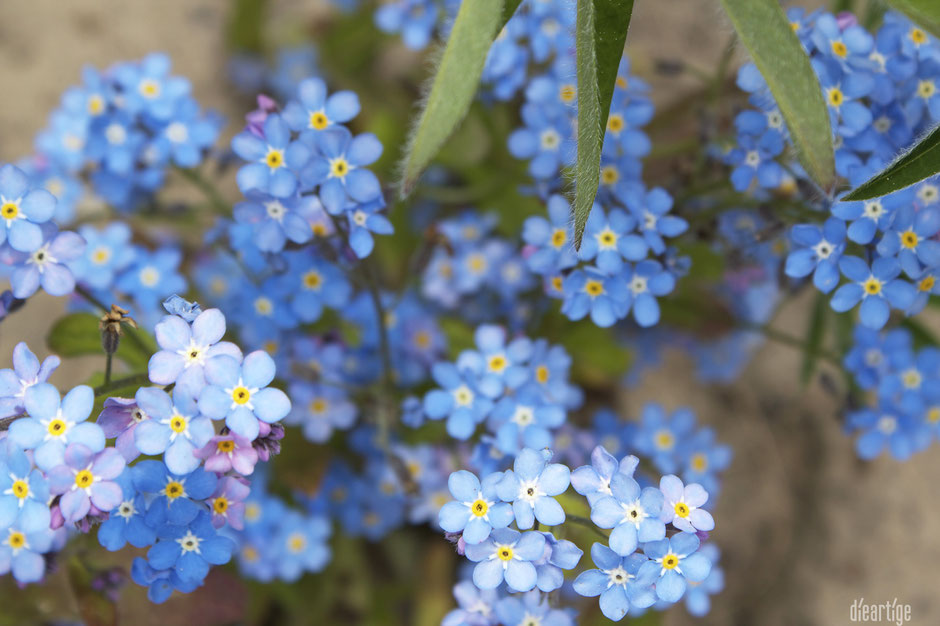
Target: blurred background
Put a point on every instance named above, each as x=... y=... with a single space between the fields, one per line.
x=805 y=527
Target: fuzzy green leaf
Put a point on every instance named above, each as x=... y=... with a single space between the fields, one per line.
x=920 y=162
x=815 y=332
x=776 y=50
x=455 y=82
x=600 y=33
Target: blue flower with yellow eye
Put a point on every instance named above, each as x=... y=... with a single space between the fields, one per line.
x=147 y=86
x=273 y=159
x=476 y=509
x=175 y=428
x=314 y=110
x=910 y=238
x=339 y=168
x=21 y=553
x=867 y=217
x=314 y=283
x=551 y=238
x=507 y=555
x=107 y=252
x=24 y=492
x=238 y=392
x=319 y=409
x=591 y=291
x=152 y=277
x=176 y=499
x=608 y=240
x=877 y=288
x=673 y=564
x=458 y=399
x=415 y=20
x=842 y=91
x=22 y=210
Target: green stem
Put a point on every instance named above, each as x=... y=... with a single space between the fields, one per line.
x=797 y=343
x=120 y=383
x=211 y=192
x=583 y=521
x=107 y=367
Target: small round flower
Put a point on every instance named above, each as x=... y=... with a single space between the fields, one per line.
x=239 y=393
x=22 y=210
x=175 y=428
x=86 y=480
x=617 y=582
x=475 y=511
x=507 y=554
x=878 y=289
x=530 y=486
x=682 y=505
x=633 y=513
x=673 y=564
x=190 y=550
x=24 y=492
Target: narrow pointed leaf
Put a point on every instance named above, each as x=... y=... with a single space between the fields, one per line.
x=455 y=82
x=815 y=332
x=925 y=13
x=600 y=34
x=920 y=162
x=775 y=49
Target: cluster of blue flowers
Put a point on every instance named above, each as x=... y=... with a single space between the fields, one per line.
x=879 y=90
x=641 y=566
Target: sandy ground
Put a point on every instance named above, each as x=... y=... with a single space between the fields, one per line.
x=805 y=527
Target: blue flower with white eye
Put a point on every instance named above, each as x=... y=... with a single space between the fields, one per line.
x=645 y=282
x=22 y=209
x=651 y=211
x=551 y=238
x=507 y=554
x=27 y=371
x=175 y=499
x=531 y=485
x=871 y=356
x=590 y=290
x=47 y=267
x=878 y=289
x=887 y=427
x=273 y=159
x=274 y=220
x=125 y=523
x=364 y=220
x=175 y=428
x=314 y=110
x=820 y=251
x=459 y=400
x=475 y=510
x=753 y=159
x=593 y=481
x=187 y=134
x=682 y=506
x=633 y=513
x=239 y=393
x=608 y=240
x=24 y=492
x=414 y=19
x=910 y=239
x=339 y=168
x=152 y=277
x=185 y=348
x=618 y=582
x=546 y=141
x=525 y=419
x=160 y=583
x=190 y=550
x=867 y=217
x=21 y=553
x=55 y=422
x=475 y=606
x=673 y=564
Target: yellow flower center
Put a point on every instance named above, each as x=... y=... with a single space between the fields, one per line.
x=559 y=237
x=57 y=427
x=609 y=175
x=699 y=462
x=872 y=286
x=682 y=509
x=567 y=93
x=839 y=49
x=220 y=505
x=177 y=423
x=594 y=288
x=607 y=238
x=504 y=553
x=664 y=439
x=319 y=229
x=241 y=395
x=20 y=489
x=149 y=88
x=296 y=543
x=313 y=280
x=479 y=508
x=622 y=82
x=225 y=446
x=926 y=89
x=95 y=104
x=9 y=210
x=909 y=239
x=927 y=283
x=541 y=374
x=670 y=561
x=16 y=539
x=318 y=406
x=339 y=167
x=918 y=36
x=615 y=123
x=275 y=158
x=84 y=479
x=422 y=339
x=101 y=255
x=834 y=97
x=319 y=120
x=173 y=490
x=497 y=363
x=933 y=414
x=556 y=283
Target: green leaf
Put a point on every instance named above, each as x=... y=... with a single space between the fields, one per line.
x=925 y=12
x=600 y=33
x=455 y=82
x=920 y=162
x=814 y=335
x=77 y=334
x=246 y=24
x=776 y=50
